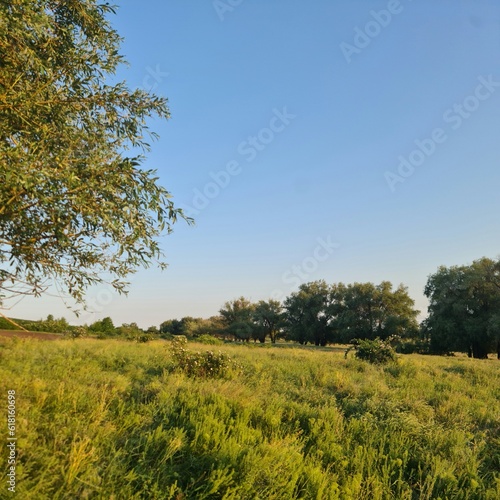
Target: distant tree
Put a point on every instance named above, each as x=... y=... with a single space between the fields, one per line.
x=51 y=325
x=237 y=318
x=357 y=318
x=321 y=313
x=306 y=315
x=464 y=309
x=75 y=205
x=268 y=317
x=130 y=331
x=368 y=311
x=59 y=325
x=76 y=332
x=172 y=327
x=103 y=327
x=192 y=327
x=215 y=325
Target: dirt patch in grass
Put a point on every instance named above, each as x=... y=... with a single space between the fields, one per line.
x=30 y=335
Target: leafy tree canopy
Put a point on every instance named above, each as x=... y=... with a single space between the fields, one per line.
x=192 y=327
x=268 y=317
x=237 y=318
x=464 y=309
x=320 y=313
x=74 y=203
x=367 y=311
x=306 y=313
x=104 y=326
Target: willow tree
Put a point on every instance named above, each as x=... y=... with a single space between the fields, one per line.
x=76 y=208
x=464 y=308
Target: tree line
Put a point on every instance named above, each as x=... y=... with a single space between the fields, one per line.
x=463 y=316
x=318 y=313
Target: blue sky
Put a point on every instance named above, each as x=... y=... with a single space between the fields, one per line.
x=289 y=122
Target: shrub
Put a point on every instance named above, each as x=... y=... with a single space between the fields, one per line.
x=197 y=364
x=76 y=332
x=413 y=346
x=144 y=337
x=374 y=351
x=208 y=339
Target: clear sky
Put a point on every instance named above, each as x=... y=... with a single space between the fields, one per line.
x=338 y=140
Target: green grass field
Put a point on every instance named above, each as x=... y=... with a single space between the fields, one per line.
x=113 y=420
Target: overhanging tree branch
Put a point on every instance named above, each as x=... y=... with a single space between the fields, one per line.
x=73 y=204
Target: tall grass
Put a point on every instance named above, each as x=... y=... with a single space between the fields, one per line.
x=115 y=420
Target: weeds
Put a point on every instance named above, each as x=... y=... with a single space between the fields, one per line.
x=115 y=419
x=197 y=364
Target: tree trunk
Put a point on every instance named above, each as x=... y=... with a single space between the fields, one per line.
x=479 y=351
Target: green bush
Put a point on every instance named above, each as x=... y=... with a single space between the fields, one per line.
x=208 y=339
x=375 y=351
x=144 y=337
x=76 y=332
x=412 y=346
x=197 y=364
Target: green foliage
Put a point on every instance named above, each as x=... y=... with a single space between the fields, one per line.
x=366 y=311
x=172 y=327
x=375 y=351
x=306 y=314
x=50 y=325
x=299 y=423
x=237 y=318
x=74 y=205
x=197 y=364
x=463 y=309
x=143 y=337
x=103 y=328
x=317 y=313
x=7 y=325
x=209 y=340
x=77 y=332
x=132 y=332
x=415 y=345
x=269 y=319
x=191 y=327
x=320 y=314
